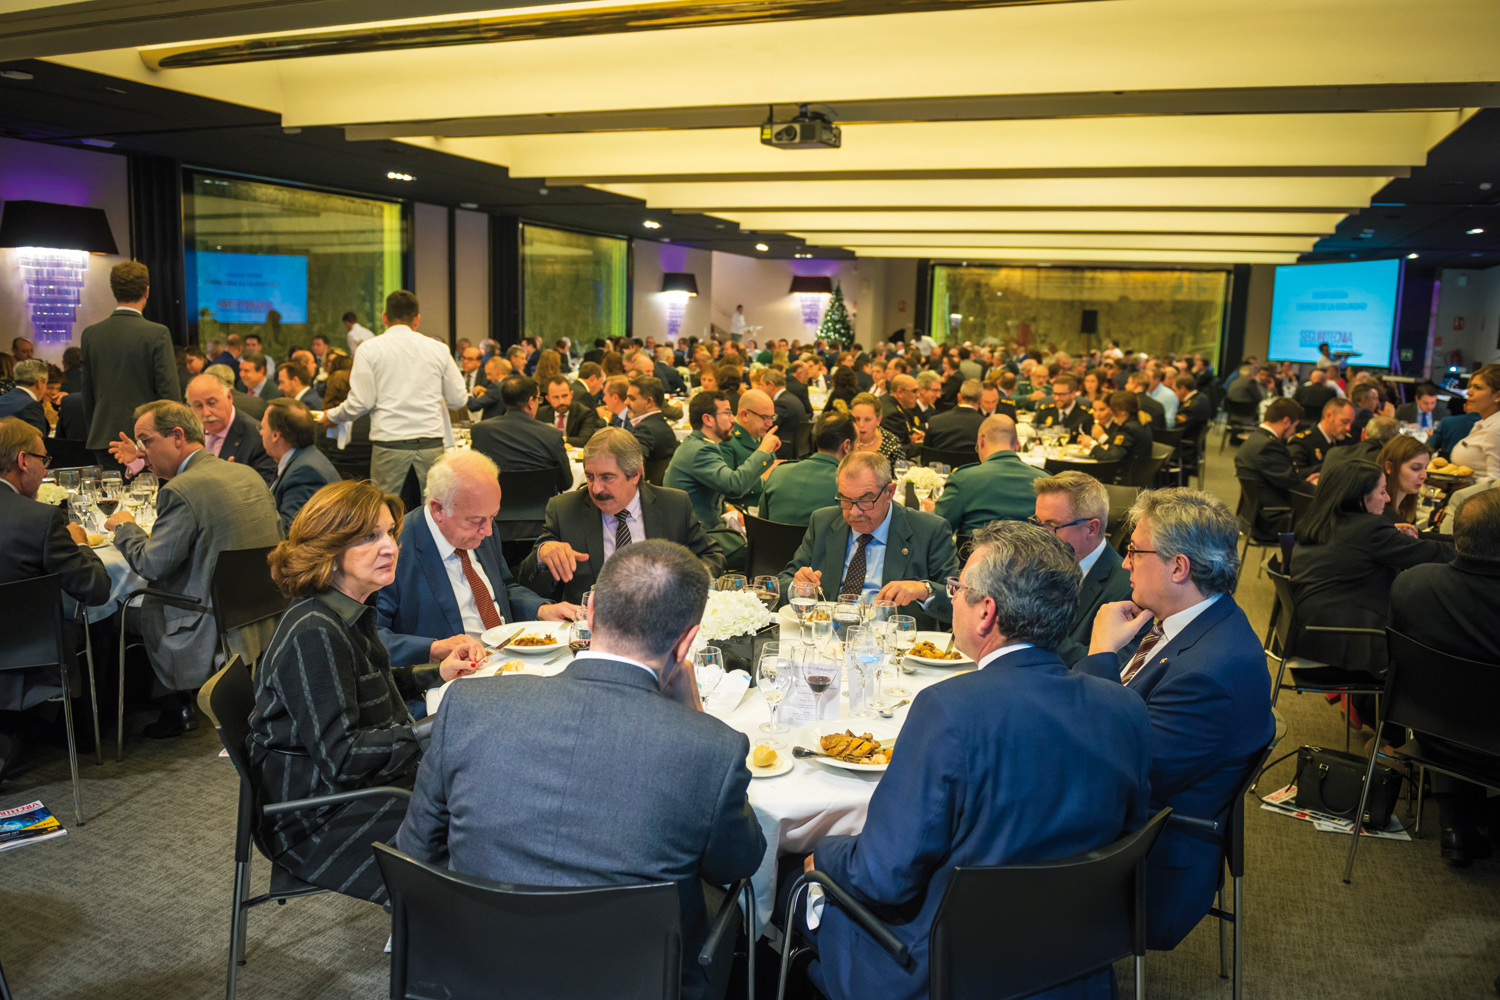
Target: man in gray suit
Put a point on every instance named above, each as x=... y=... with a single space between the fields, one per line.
x=609 y=773
x=206 y=506
x=127 y=361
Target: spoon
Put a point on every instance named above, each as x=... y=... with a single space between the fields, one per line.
x=886 y=713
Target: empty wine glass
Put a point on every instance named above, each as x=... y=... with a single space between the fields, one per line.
x=901 y=636
x=863 y=656
x=70 y=480
x=731 y=581
x=773 y=676
x=846 y=613
x=708 y=669
x=822 y=624
x=768 y=589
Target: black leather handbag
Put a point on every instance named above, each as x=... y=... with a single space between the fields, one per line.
x=1330 y=781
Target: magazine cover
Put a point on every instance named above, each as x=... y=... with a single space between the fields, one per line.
x=28 y=823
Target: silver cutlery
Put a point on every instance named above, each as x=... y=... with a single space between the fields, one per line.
x=886 y=713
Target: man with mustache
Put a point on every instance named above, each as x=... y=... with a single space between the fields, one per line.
x=616 y=508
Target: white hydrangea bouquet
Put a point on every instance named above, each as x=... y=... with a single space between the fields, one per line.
x=923 y=478
x=731 y=613
x=51 y=494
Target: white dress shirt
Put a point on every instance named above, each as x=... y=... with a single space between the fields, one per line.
x=1087 y=562
x=467 y=609
x=1480 y=450
x=407 y=383
x=994 y=655
x=621 y=659
x=357 y=336
x=1173 y=624
x=637 y=528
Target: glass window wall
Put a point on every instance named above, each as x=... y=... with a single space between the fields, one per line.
x=574 y=285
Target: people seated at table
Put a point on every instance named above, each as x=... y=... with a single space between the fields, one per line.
x=37 y=540
x=1150 y=412
x=699 y=469
x=502 y=748
x=296 y=383
x=794 y=490
x=1264 y=462
x=870 y=543
x=228 y=433
x=1243 y=388
x=517 y=442
x=901 y=414
x=584 y=527
x=288 y=433
x=1480 y=450
x=1066 y=409
x=205 y=505
x=1315 y=394
x=576 y=419
x=845 y=387
x=955 y=429
x=1202 y=672
x=452 y=581
x=1346 y=558
x=1195 y=411
x=1372 y=437
x=352 y=460
x=1404 y=460
x=25 y=400
x=791 y=412
x=1075 y=507
x=754 y=418
x=330 y=713
x=989 y=770
x=1124 y=438
x=645 y=398
x=1425 y=411
x=1453 y=607
x=996 y=488
x=1310 y=447
x=870 y=432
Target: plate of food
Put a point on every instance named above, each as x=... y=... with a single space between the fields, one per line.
x=852 y=744
x=1441 y=469
x=929 y=649
x=764 y=762
x=533 y=637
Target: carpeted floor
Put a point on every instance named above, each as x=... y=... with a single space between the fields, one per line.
x=135 y=904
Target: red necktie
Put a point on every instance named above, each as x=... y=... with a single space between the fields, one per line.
x=562 y=421
x=1147 y=645
x=482 y=599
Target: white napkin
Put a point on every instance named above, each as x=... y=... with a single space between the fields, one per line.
x=726 y=695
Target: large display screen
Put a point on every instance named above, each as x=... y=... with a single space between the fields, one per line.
x=244 y=287
x=1350 y=307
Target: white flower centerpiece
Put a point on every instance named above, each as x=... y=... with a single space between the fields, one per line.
x=51 y=494
x=923 y=478
x=734 y=621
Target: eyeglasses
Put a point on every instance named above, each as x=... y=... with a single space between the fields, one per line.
x=846 y=503
x=46 y=460
x=1132 y=551
x=1055 y=528
x=954 y=585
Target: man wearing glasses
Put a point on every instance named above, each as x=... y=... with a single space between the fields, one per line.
x=870 y=543
x=1075 y=507
x=756 y=418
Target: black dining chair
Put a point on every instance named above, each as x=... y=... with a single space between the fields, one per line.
x=1248 y=511
x=802 y=442
x=952 y=459
x=656 y=472
x=1010 y=931
x=1105 y=472
x=228 y=698
x=1241 y=419
x=455 y=935
x=1421 y=693
x=1144 y=469
x=31 y=620
x=241 y=593
x=770 y=545
x=4 y=986
x=524 y=507
x=1121 y=499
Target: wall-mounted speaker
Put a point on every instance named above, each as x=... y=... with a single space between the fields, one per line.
x=1090 y=321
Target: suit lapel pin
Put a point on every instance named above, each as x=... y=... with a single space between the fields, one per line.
x=903 y=552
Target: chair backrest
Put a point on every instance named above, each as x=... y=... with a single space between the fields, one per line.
x=952 y=459
x=454 y=935
x=67 y=454
x=1105 y=472
x=656 y=472
x=1234 y=819
x=1015 y=930
x=228 y=698
x=1143 y=470
x=1171 y=438
x=1121 y=499
x=1301 y=503
x=1249 y=504
x=1242 y=412
x=802 y=443
x=242 y=591
x=524 y=495
x=1420 y=684
x=31 y=623
x=770 y=545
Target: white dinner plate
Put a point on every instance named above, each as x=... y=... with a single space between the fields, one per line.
x=811 y=736
x=782 y=766
x=557 y=630
x=940 y=640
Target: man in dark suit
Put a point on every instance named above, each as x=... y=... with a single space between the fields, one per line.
x=1195 y=411
x=25 y=400
x=1152 y=408
x=671 y=378
x=960 y=791
x=585 y=527
x=1065 y=410
x=251 y=406
x=1365 y=398
x=644 y=398
x=37 y=541
x=485 y=400
x=1075 y=507
x=901 y=415
x=1125 y=439
x=1265 y=460
x=127 y=361
x=992 y=403
x=517 y=442
x=257 y=378
x=957 y=429
x=72 y=418
x=1453 y=607
x=1425 y=411
x=501 y=746
x=1310 y=447
x=72 y=366
x=288 y=434
x=1377 y=433
x=471 y=367
x=294 y=379
x=798 y=375
x=1202 y=673
x=870 y=543
x=1315 y=395
x=613 y=409
x=228 y=433
x=576 y=419
x=790 y=411
x=449 y=552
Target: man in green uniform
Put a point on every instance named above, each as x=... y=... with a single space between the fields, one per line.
x=796 y=489
x=996 y=488
x=757 y=418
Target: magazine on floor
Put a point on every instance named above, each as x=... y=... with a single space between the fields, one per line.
x=28 y=824
x=1280 y=801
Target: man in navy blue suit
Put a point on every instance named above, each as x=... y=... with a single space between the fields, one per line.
x=1020 y=761
x=25 y=400
x=1202 y=673
x=451 y=577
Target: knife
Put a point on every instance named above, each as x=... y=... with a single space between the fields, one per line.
x=949 y=648
x=501 y=645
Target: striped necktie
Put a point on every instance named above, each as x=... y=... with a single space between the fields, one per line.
x=622 y=530
x=1137 y=661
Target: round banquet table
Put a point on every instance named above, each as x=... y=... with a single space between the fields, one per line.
x=122 y=580
x=796 y=809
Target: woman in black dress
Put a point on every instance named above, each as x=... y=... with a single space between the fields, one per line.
x=330 y=712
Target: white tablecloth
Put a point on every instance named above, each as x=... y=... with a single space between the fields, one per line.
x=795 y=809
x=122 y=580
x=1038 y=456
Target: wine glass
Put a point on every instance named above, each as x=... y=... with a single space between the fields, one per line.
x=708 y=669
x=731 y=582
x=768 y=589
x=902 y=635
x=70 y=480
x=846 y=613
x=863 y=656
x=112 y=480
x=579 y=636
x=805 y=597
x=822 y=624
x=901 y=467
x=818 y=672
x=773 y=675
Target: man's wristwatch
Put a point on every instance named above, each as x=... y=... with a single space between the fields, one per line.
x=931 y=590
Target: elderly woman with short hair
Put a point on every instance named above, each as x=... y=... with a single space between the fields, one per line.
x=330 y=713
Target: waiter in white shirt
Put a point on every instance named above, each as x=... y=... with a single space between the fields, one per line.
x=356 y=334
x=737 y=322
x=407 y=383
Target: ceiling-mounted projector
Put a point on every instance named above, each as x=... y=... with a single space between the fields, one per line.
x=808 y=130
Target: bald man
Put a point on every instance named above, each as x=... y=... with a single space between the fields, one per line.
x=756 y=418
x=1315 y=395
x=996 y=488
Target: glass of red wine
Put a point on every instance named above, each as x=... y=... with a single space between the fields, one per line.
x=818 y=672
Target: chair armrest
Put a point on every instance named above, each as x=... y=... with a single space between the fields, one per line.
x=167 y=597
x=1212 y=826
x=336 y=799
x=1343 y=630
x=866 y=920
x=725 y=917
x=422 y=730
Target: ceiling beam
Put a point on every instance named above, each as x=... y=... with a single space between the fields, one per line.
x=1034 y=255
x=1079 y=241
x=1265 y=223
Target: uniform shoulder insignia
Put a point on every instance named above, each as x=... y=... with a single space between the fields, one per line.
x=1302 y=434
x=1119 y=439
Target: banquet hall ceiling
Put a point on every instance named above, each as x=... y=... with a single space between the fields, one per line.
x=1131 y=131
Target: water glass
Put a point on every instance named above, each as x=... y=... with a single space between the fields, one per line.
x=862 y=656
x=768 y=589
x=773 y=676
x=579 y=636
x=822 y=624
x=805 y=597
x=846 y=613
x=901 y=636
x=70 y=479
x=708 y=669
x=732 y=581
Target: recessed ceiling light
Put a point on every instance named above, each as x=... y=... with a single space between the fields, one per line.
x=15 y=74
x=292 y=130
x=651 y=224
x=468 y=204
x=1411 y=256
x=1475 y=232
x=392 y=175
x=761 y=247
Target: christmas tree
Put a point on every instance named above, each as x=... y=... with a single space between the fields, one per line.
x=835 y=328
